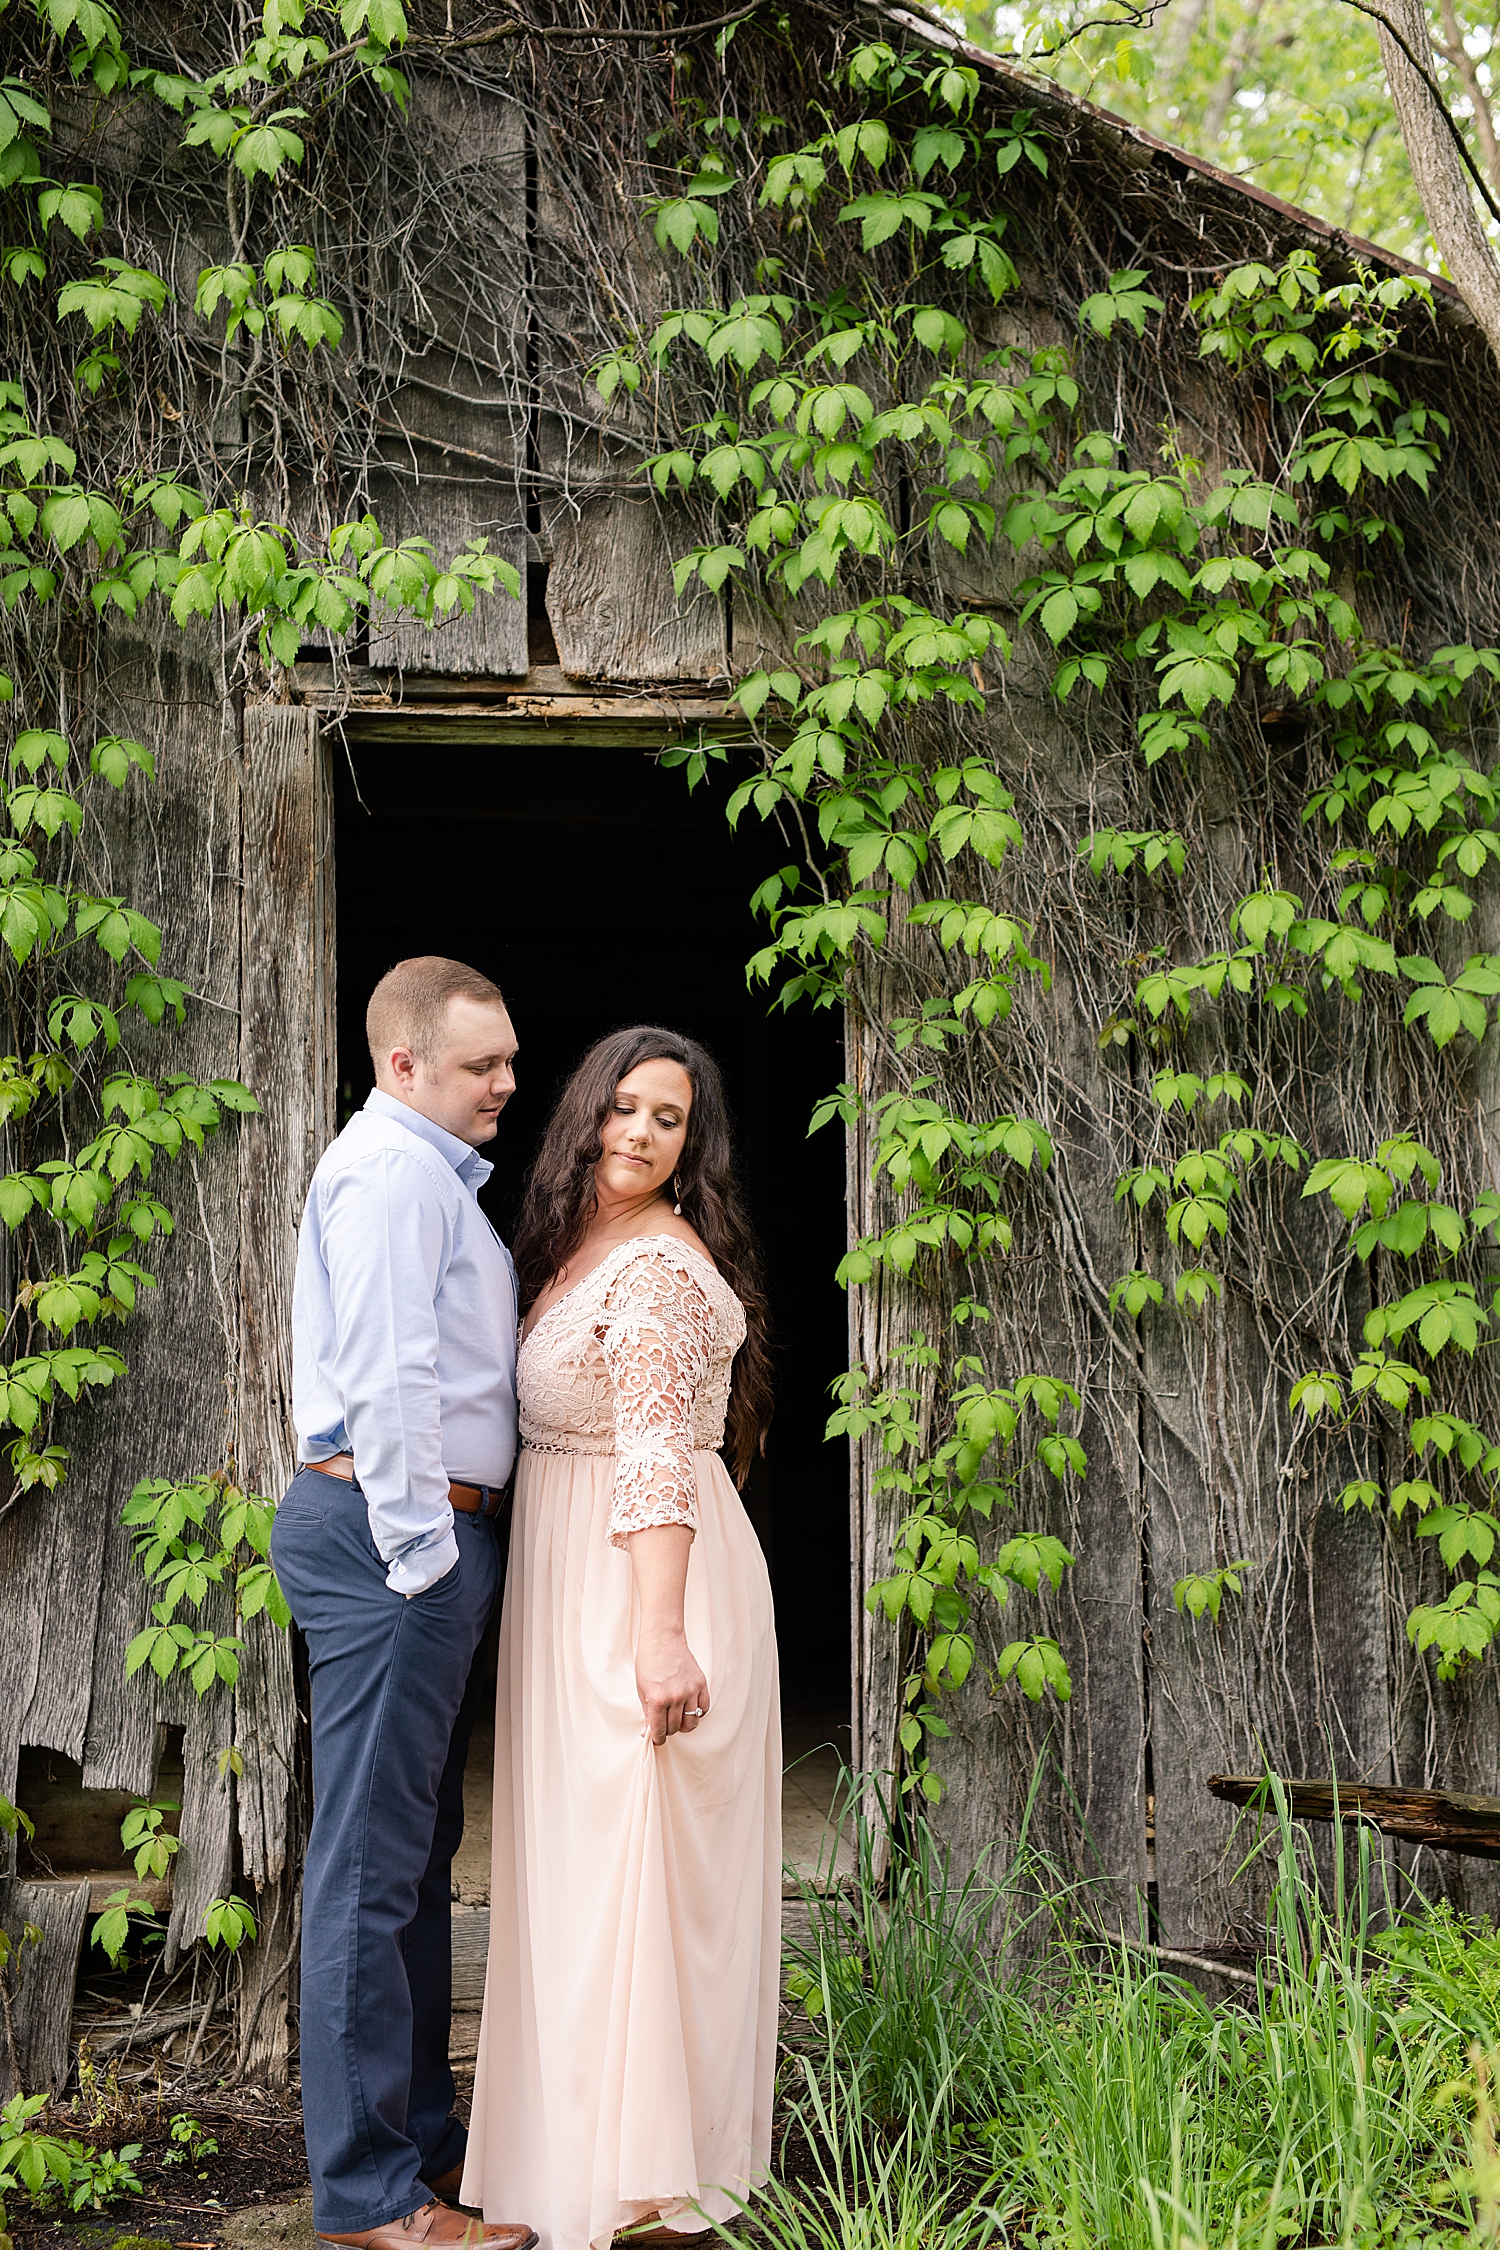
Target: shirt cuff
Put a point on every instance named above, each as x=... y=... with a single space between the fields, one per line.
x=417 y=1568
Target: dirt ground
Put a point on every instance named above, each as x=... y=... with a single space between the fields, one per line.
x=251 y=2194
x=260 y=2161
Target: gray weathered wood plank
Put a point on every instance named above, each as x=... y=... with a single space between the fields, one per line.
x=204 y=1868
x=288 y=1055
x=608 y=539
x=26 y=1534
x=471 y=1945
x=452 y=442
x=610 y=601
x=173 y=848
x=42 y=2002
x=1081 y=1763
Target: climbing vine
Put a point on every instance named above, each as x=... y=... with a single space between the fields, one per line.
x=861 y=435
x=102 y=523
x=1027 y=549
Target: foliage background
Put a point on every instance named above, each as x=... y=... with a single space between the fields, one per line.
x=1287 y=93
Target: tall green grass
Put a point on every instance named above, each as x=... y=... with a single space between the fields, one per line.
x=954 y=2082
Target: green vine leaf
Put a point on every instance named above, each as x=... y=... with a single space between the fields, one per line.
x=1037 y=1664
x=1460 y=1532
x=79 y=207
x=1031 y=1558
x=111 y=1931
x=1202 y=1592
x=229 y=1922
x=1123 y=300
x=1135 y=1291
x=1460 y=1628
x=1196 y=1285
x=114 y=296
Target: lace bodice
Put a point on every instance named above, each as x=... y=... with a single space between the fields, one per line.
x=635 y=1361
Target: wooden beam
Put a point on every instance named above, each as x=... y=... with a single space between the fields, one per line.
x=545 y=709
x=332 y=687
x=478 y=727
x=1448 y=1819
x=392 y=709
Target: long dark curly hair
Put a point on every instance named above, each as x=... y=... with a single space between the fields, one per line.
x=558 y=1203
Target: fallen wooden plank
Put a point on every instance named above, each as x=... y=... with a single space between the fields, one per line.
x=1448 y=1819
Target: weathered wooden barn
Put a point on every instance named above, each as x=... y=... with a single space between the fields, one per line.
x=492 y=788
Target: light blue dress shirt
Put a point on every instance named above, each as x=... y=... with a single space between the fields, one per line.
x=404 y=1331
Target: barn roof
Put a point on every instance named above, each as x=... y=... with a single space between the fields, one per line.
x=1084 y=124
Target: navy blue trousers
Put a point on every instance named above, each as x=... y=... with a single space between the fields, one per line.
x=394 y=1694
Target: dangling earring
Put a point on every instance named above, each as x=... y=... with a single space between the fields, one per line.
x=677 y=1191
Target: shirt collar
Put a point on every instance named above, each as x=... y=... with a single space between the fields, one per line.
x=471 y=1167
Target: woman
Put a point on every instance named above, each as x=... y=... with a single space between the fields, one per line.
x=629 y=2037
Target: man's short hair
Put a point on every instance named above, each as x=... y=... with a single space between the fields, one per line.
x=409 y=1006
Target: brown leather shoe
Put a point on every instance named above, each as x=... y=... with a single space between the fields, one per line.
x=447 y=2186
x=437 y=2228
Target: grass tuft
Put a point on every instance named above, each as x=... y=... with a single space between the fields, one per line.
x=956 y=2083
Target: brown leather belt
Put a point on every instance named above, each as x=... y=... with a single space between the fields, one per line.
x=469 y=1499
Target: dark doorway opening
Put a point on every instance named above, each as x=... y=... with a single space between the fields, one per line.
x=597 y=891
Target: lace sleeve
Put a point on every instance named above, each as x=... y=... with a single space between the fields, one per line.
x=657 y=1334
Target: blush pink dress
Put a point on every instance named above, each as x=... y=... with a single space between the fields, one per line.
x=628 y=2047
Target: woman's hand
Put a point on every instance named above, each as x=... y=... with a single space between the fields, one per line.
x=669 y=1681
x=668 y=1677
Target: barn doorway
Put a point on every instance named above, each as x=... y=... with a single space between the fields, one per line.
x=597 y=891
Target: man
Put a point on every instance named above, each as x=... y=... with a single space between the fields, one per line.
x=403 y=1394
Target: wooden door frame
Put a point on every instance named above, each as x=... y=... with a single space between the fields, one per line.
x=287 y=1058
x=301 y=742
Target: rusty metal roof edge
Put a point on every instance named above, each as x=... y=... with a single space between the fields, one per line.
x=1090 y=113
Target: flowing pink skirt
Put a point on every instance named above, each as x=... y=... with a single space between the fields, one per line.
x=628 y=2048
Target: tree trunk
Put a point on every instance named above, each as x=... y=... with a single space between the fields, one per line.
x=1438 y=169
